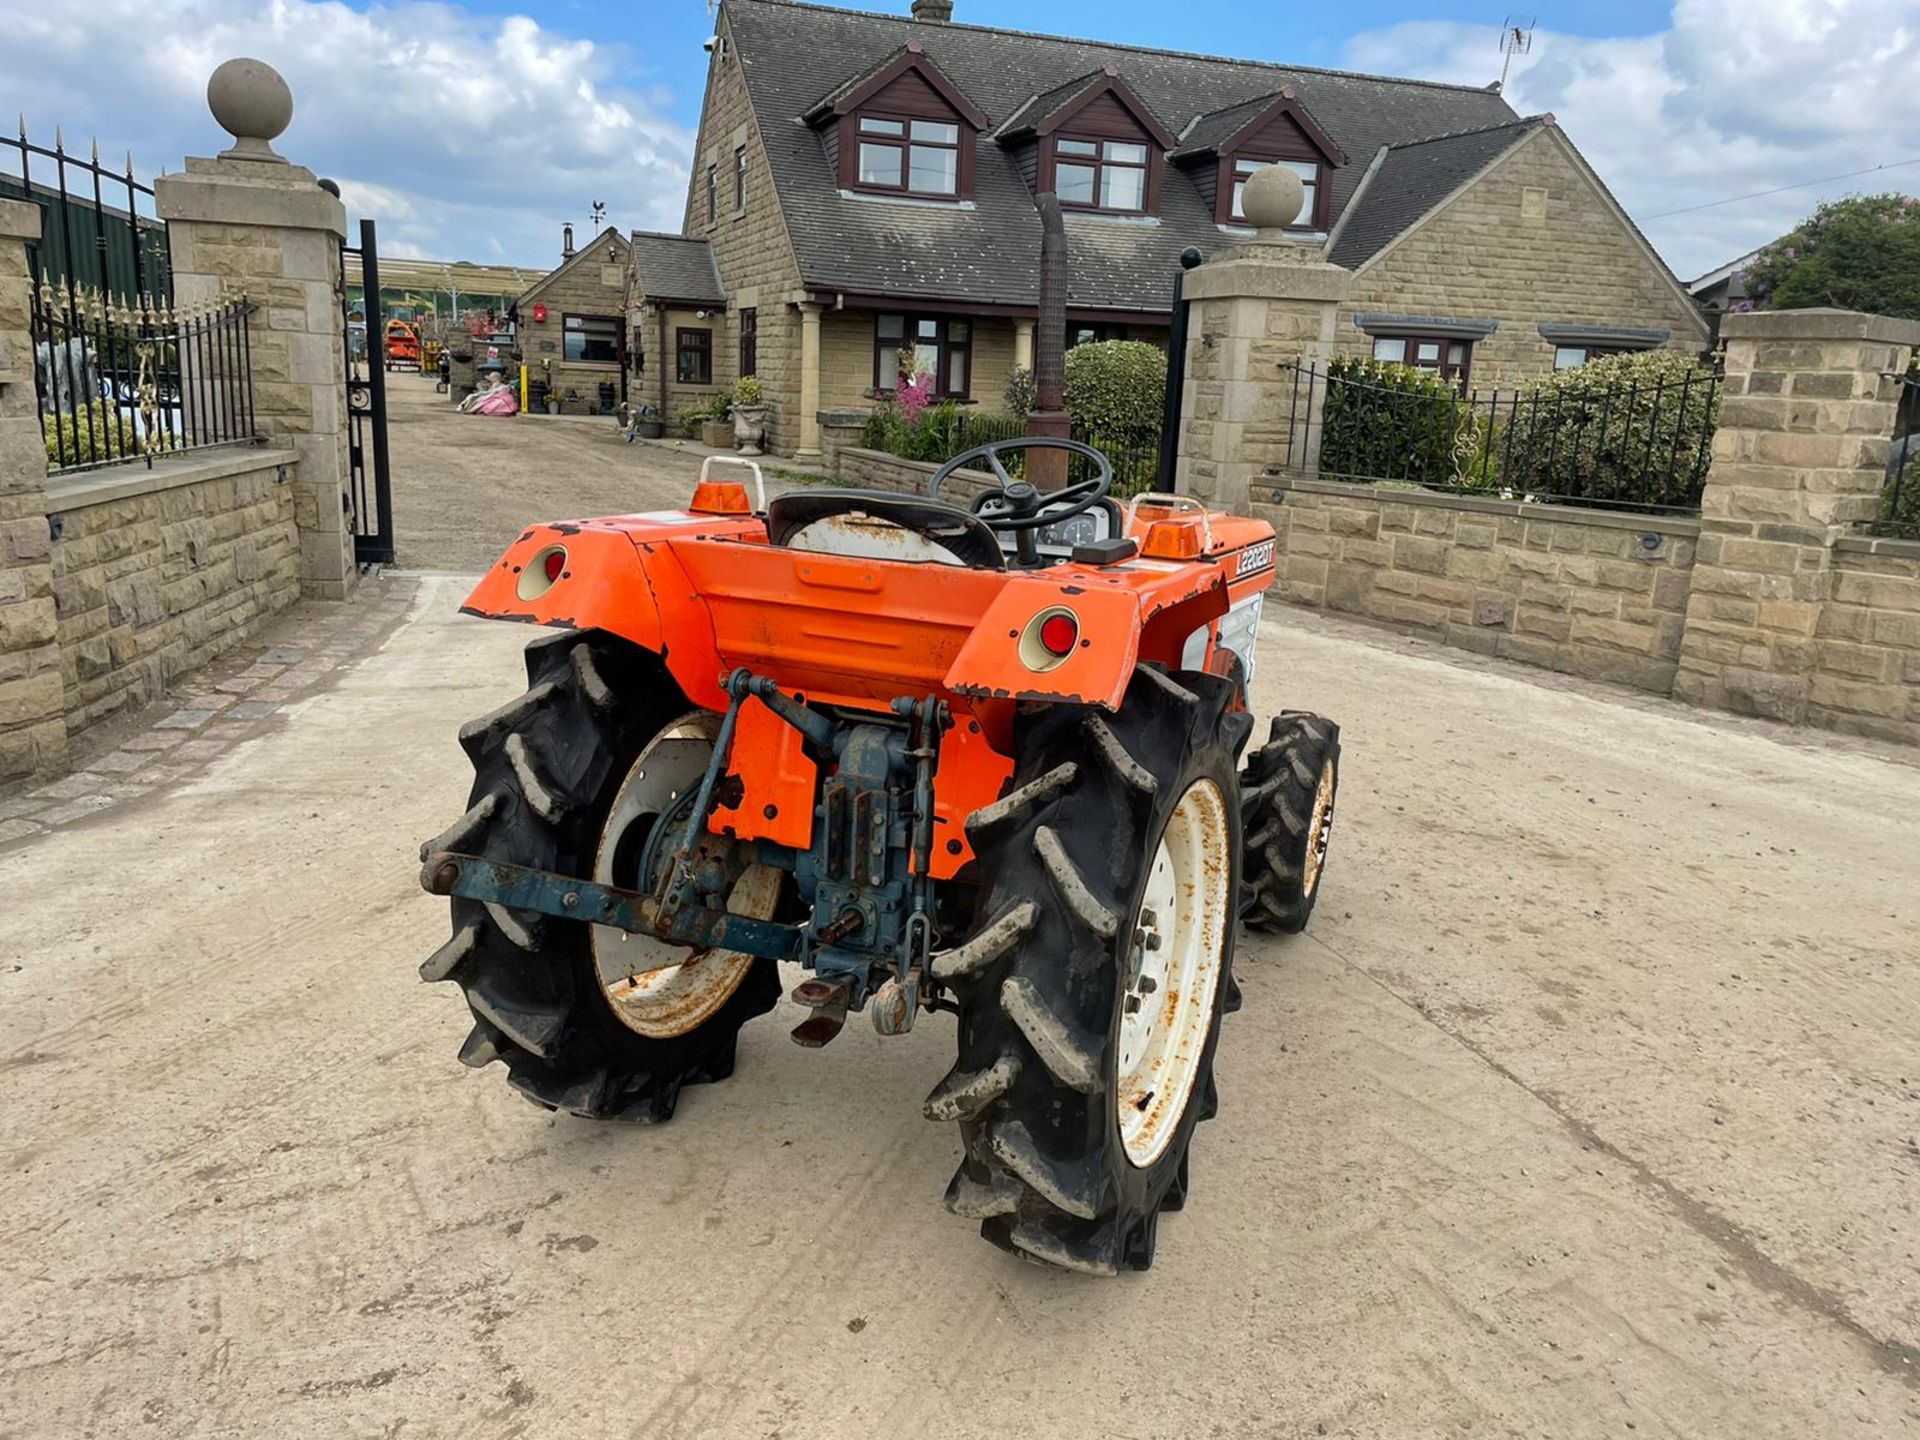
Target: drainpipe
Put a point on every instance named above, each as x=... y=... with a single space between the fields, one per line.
x=660 y=359
x=1176 y=375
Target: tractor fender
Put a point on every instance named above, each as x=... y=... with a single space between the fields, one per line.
x=625 y=582
x=998 y=660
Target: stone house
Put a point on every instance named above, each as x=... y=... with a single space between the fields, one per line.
x=570 y=324
x=865 y=186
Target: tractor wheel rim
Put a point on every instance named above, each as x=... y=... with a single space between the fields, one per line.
x=1173 y=973
x=661 y=1004
x=1320 y=825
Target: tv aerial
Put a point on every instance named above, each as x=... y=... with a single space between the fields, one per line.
x=1516 y=38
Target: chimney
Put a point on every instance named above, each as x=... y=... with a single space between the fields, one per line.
x=933 y=12
x=566 y=242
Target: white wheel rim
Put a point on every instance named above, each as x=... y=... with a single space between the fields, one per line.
x=661 y=1004
x=1320 y=826
x=1173 y=973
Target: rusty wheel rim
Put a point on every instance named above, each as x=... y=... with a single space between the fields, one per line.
x=1320 y=825
x=661 y=1004
x=1173 y=973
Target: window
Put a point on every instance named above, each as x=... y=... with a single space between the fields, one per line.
x=740 y=181
x=1449 y=359
x=1093 y=334
x=1572 y=357
x=906 y=346
x=1244 y=168
x=915 y=157
x=1100 y=174
x=749 y=342
x=713 y=193
x=693 y=354
x=590 y=339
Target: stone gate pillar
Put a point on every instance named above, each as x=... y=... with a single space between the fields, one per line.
x=33 y=731
x=1798 y=461
x=1256 y=308
x=247 y=221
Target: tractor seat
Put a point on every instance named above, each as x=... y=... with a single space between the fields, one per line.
x=876 y=525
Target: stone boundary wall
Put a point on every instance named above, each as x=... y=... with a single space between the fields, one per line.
x=1866 y=678
x=1599 y=594
x=877 y=470
x=157 y=571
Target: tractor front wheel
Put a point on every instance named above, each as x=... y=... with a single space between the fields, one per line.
x=572 y=777
x=1287 y=792
x=1091 y=987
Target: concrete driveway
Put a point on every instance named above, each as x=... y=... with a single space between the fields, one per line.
x=1588 y=1106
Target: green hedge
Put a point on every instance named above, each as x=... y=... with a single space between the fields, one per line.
x=1391 y=422
x=98 y=433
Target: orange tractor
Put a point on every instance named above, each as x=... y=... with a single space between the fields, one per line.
x=974 y=759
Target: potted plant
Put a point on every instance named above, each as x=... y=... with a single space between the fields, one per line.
x=716 y=430
x=749 y=415
x=645 y=424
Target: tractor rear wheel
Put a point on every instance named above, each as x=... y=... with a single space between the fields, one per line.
x=1286 y=802
x=571 y=777
x=1091 y=987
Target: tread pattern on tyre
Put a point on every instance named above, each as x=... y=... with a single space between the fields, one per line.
x=1063 y=859
x=546 y=769
x=1277 y=788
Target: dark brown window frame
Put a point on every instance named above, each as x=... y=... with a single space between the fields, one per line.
x=1100 y=164
x=944 y=346
x=692 y=343
x=1460 y=374
x=740 y=180
x=749 y=341
x=903 y=145
x=568 y=330
x=1312 y=218
x=713 y=194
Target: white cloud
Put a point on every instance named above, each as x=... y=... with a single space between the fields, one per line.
x=1737 y=96
x=464 y=136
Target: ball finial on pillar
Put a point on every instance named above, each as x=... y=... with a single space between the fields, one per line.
x=253 y=104
x=1272 y=198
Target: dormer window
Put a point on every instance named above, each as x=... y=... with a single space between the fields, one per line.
x=902 y=155
x=901 y=129
x=1100 y=174
x=1309 y=171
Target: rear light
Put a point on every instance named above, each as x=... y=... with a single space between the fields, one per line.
x=1058 y=632
x=1050 y=637
x=540 y=573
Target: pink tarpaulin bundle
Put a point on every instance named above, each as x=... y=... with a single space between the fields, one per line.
x=497 y=402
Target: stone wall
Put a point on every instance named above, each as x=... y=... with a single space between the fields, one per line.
x=592 y=285
x=1535 y=241
x=1593 y=593
x=755 y=257
x=33 y=739
x=157 y=571
x=877 y=470
x=1866 y=677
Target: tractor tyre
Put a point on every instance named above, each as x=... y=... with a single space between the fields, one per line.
x=1091 y=986
x=1287 y=792
x=551 y=771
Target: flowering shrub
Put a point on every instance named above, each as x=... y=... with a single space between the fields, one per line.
x=911 y=394
x=1862 y=253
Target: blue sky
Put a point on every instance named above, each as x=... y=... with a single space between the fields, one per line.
x=472 y=129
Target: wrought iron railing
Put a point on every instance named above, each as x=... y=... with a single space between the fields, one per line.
x=1900 y=498
x=97 y=229
x=1639 y=443
x=132 y=380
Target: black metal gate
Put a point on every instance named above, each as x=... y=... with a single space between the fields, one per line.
x=370 y=483
x=1900 y=500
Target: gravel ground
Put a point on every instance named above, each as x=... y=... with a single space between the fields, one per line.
x=465 y=485
x=1586 y=1107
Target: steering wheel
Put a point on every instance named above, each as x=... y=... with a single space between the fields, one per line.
x=1025 y=508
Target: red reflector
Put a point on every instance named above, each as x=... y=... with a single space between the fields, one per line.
x=556 y=562
x=1058 y=634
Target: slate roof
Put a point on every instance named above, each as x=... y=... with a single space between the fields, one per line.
x=988 y=251
x=1409 y=180
x=675 y=267
x=1041 y=108
x=1205 y=132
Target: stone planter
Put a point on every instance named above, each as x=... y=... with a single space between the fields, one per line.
x=716 y=434
x=649 y=429
x=749 y=428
